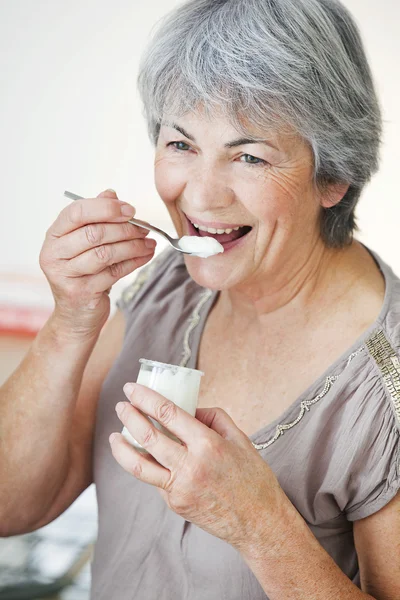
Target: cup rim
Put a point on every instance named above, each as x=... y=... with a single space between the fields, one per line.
x=147 y=361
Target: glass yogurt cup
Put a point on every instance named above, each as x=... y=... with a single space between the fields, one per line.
x=179 y=384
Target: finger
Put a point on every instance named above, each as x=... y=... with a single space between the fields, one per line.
x=169 y=453
x=102 y=209
x=218 y=420
x=93 y=286
x=97 y=234
x=106 y=279
x=172 y=417
x=137 y=464
x=99 y=258
x=109 y=193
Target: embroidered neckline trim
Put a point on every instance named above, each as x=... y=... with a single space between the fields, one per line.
x=305 y=405
x=194 y=320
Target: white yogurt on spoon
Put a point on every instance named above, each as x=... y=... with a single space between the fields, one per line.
x=200 y=246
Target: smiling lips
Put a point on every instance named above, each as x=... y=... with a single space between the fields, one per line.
x=222 y=235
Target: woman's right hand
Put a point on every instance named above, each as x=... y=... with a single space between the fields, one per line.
x=88 y=248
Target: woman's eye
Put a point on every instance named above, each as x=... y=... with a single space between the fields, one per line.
x=179 y=145
x=251 y=160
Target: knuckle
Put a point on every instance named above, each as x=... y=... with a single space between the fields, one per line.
x=207 y=445
x=43 y=261
x=115 y=270
x=166 y=412
x=111 y=208
x=75 y=213
x=136 y=469
x=138 y=247
x=180 y=504
x=47 y=261
x=127 y=230
x=149 y=437
x=94 y=233
x=199 y=474
x=103 y=253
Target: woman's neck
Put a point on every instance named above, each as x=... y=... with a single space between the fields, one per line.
x=316 y=285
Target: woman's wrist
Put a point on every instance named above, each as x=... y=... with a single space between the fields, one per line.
x=66 y=331
x=289 y=562
x=269 y=526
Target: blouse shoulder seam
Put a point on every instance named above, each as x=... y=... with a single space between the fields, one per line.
x=386 y=359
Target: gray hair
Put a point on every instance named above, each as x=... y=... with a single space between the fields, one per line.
x=277 y=63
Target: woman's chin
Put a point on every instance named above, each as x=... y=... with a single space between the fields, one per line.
x=212 y=273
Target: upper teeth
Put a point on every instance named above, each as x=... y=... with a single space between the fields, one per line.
x=213 y=230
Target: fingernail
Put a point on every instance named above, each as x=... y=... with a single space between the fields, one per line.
x=150 y=243
x=128 y=389
x=110 y=190
x=112 y=437
x=120 y=407
x=127 y=210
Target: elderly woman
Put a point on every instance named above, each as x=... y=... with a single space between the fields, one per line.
x=285 y=485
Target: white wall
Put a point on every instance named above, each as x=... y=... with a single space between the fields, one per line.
x=70 y=116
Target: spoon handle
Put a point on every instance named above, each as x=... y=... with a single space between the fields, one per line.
x=72 y=196
x=147 y=225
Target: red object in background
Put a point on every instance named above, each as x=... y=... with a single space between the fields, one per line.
x=25 y=303
x=18 y=320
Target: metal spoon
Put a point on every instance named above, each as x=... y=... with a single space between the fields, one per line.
x=173 y=241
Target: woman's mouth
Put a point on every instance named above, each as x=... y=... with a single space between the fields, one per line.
x=228 y=236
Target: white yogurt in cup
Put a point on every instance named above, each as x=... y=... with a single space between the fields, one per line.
x=178 y=384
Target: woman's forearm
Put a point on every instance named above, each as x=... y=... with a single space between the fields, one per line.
x=87 y=249
x=36 y=409
x=290 y=563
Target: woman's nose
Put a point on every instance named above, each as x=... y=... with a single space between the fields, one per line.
x=208 y=189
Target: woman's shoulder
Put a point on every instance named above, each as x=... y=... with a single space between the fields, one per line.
x=377 y=375
x=353 y=436
x=350 y=430
x=376 y=360
x=366 y=379
x=370 y=423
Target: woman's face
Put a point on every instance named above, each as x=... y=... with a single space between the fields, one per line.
x=210 y=175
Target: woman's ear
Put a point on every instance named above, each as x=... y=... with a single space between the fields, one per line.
x=333 y=194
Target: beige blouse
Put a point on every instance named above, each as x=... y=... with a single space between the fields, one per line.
x=335 y=450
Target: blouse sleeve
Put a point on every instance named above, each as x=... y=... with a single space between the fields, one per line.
x=374 y=459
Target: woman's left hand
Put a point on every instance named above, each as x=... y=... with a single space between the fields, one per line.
x=215 y=479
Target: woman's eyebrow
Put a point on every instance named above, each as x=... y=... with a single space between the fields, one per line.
x=180 y=129
x=244 y=141
x=233 y=144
